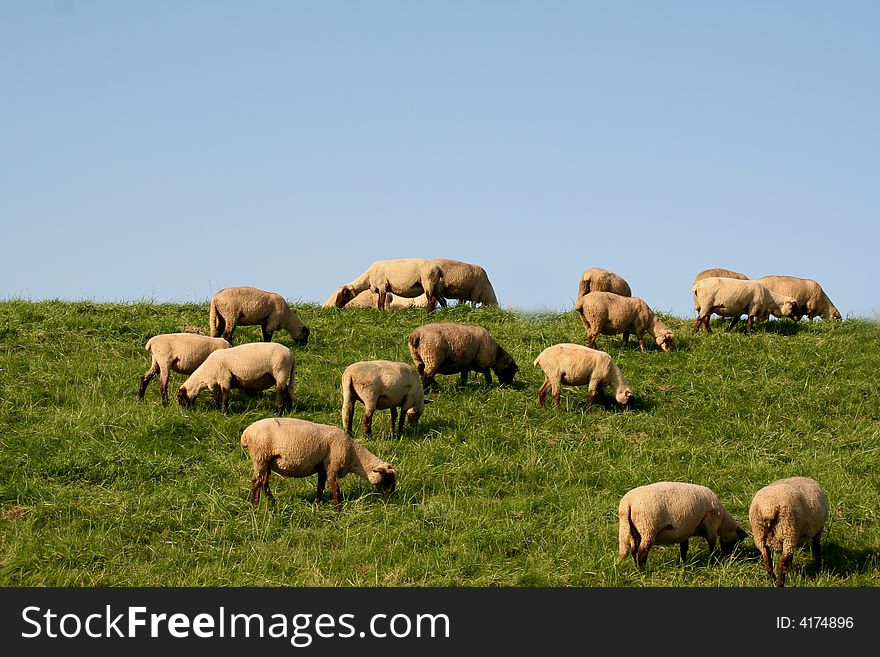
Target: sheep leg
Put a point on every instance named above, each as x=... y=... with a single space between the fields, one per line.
x=641 y=338
x=400 y=422
x=163 y=386
x=266 y=490
x=284 y=400
x=767 y=558
x=368 y=422
x=462 y=379
x=224 y=399
x=642 y=553
x=749 y=324
x=146 y=378
x=334 y=488
x=255 y=489
x=683 y=550
x=626 y=341
x=542 y=392
x=215 y=396
x=227 y=333
x=380 y=303
x=394 y=419
x=322 y=481
x=591 y=340
x=347 y=416
x=733 y=321
x=555 y=395
x=784 y=564
x=488 y=374
x=265 y=333
x=816 y=549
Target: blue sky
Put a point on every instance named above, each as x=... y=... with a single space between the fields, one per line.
x=163 y=150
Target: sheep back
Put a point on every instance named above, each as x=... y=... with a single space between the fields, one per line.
x=721 y=273
x=597 y=279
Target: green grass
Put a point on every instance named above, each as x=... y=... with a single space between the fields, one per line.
x=98 y=489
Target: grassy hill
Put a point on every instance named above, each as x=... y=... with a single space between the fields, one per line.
x=98 y=489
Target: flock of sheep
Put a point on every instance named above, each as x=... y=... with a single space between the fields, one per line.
x=783 y=516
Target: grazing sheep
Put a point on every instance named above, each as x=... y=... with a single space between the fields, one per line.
x=610 y=314
x=247 y=306
x=367 y=299
x=299 y=448
x=785 y=515
x=451 y=348
x=669 y=512
x=381 y=384
x=406 y=277
x=730 y=297
x=577 y=365
x=597 y=279
x=251 y=366
x=466 y=282
x=721 y=273
x=176 y=352
x=811 y=298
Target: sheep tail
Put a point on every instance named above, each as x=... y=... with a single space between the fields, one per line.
x=628 y=535
x=216 y=321
x=149 y=342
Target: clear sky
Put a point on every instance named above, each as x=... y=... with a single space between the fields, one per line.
x=163 y=150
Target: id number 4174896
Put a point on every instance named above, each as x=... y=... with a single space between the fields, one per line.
x=814 y=623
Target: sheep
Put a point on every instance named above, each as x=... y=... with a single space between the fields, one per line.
x=669 y=512
x=452 y=347
x=367 y=299
x=247 y=306
x=722 y=273
x=785 y=515
x=251 y=366
x=609 y=313
x=577 y=365
x=811 y=298
x=730 y=297
x=176 y=352
x=381 y=384
x=406 y=277
x=299 y=448
x=466 y=282
x=597 y=279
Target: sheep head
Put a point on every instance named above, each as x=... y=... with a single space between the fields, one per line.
x=505 y=367
x=625 y=397
x=665 y=340
x=729 y=539
x=183 y=398
x=384 y=478
x=345 y=294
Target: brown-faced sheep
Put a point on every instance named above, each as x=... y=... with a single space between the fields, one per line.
x=719 y=272
x=811 y=298
x=176 y=352
x=248 y=306
x=669 y=512
x=381 y=384
x=405 y=277
x=610 y=314
x=299 y=448
x=576 y=365
x=730 y=297
x=455 y=348
x=251 y=366
x=597 y=279
x=785 y=515
x=466 y=282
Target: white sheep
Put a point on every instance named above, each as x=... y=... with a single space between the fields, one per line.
x=248 y=306
x=597 y=279
x=610 y=314
x=720 y=272
x=466 y=282
x=250 y=366
x=456 y=348
x=730 y=297
x=176 y=352
x=811 y=298
x=367 y=299
x=381 y=384
x=785 y=515
x=405 y=277
x=669 y=512
x=299 y=448
x=571 y=364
